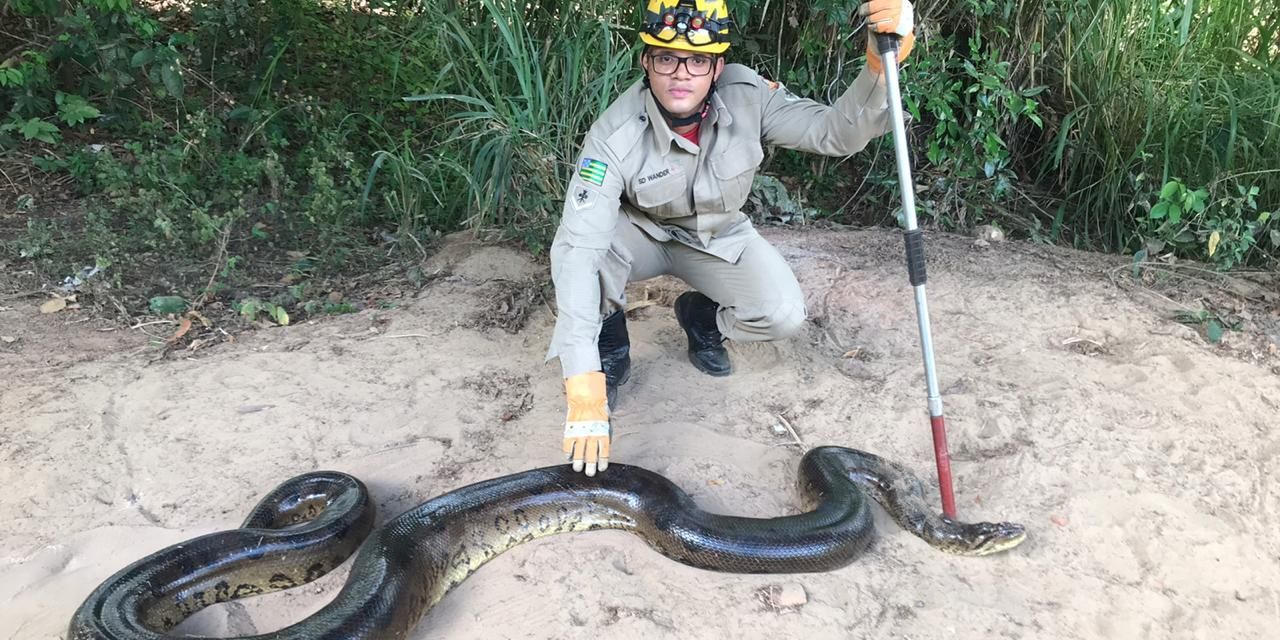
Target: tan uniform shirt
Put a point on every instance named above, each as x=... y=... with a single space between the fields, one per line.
x=633 y=163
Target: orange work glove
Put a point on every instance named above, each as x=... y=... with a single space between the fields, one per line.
x=586 y=427
x=888 y=16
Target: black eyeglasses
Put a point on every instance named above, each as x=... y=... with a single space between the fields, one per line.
x=667 y=64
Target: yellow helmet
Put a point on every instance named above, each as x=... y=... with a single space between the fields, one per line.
x=701 y=26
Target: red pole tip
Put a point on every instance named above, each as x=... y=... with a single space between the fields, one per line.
x=944 y=466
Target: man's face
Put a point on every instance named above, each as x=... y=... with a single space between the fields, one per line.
x=673 y=81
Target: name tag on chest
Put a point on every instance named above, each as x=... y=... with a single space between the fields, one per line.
x=656 y=175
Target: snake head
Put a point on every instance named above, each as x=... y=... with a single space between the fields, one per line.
x=986 y=538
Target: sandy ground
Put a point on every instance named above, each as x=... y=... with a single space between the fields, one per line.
x=1141 y=457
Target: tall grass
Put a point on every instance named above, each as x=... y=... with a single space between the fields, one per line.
x=1081 y=120
x=1154 y=91
x=526 y=85
x=1131 y=96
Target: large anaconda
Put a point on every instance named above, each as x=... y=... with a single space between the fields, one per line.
x=310 y=524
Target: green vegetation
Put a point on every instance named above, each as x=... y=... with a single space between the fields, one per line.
x=218 y=141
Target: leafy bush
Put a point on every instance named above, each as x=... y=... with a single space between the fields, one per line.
x=214 y=135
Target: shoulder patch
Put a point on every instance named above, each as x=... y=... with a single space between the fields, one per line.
x=775 y=87
x=593 y=171
x=583 y=198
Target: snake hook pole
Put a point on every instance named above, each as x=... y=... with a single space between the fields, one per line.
x=887 y=44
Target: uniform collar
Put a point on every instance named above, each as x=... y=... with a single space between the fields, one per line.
x=719 y=111
x=664 y=137
x=662 y=134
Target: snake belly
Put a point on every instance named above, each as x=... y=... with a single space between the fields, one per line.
x=312 y=523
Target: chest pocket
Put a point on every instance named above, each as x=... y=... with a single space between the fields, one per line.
x=664 y=198
x=734 y=169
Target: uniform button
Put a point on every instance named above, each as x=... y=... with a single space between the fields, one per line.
x=644 y=118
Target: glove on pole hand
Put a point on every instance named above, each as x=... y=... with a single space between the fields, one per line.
x=888 y=16
x=586 y=427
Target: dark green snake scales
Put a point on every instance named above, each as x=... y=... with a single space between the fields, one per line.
x=312 y=523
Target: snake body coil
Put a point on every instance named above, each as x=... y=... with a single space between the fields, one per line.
x=310 y=524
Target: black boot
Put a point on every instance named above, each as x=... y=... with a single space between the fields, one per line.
x=696 y=314
x=615 y=354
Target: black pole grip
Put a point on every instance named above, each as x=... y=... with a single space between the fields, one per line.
x=915 y=256
x=887 y=43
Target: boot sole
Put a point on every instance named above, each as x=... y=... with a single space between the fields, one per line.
x=714 y=374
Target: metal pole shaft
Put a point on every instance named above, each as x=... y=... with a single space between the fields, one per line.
x=888 y=47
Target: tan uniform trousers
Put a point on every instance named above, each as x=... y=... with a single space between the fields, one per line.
x=758 y=295
x=632 y=165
